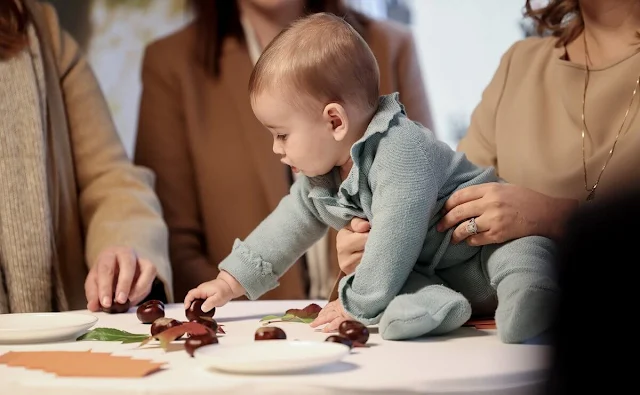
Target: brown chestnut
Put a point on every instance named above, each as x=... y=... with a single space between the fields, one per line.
x=270 y=333
x=340 y=339
x=194 y=342
x=150 y=311
x=117 y=308
x=355 y=331
x=208 y=322
x=195 y=310
x=161 y=303
x=162 y=324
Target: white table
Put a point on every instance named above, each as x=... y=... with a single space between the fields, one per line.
x=468 y=361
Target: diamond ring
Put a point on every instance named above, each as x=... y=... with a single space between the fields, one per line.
x=472 y=228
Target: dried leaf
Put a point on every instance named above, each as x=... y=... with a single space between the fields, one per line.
x=171 y=334
x=112 y=334
x=305 y=315
x=311 y=311
x=210 y=319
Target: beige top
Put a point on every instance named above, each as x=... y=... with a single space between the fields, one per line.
x=528 y=123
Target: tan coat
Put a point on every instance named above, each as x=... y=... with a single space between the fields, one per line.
x=217 y=176
x=98 y=198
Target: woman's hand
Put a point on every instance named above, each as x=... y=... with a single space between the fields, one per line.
x=503 y=212
x=118 y=272
x=350 y=244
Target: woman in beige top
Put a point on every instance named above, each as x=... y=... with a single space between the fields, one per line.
x=529 y=125
x=79 y=224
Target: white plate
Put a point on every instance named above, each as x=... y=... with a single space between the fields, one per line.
x=270 y=356
x=43 y=327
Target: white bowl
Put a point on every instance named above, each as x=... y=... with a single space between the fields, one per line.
x=43 y=327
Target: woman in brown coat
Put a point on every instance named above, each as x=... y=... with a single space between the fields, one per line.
x=217 y=177
x=79 y=224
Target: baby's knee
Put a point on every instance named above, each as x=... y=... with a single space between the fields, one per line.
x=526 y=261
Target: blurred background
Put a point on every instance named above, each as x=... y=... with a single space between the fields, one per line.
x=460 y=43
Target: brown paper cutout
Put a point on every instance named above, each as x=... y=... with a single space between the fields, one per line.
x=81 y=363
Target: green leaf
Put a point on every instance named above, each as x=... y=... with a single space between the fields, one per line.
x=112 y=335
x=270 y=317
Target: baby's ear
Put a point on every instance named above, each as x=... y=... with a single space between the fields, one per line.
x=336 y=117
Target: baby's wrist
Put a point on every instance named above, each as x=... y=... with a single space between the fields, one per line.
x=236 y=288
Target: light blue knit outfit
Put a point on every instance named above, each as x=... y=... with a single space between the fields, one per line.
x=411 y=280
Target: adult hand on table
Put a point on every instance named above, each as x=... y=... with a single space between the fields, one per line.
x=118 y=269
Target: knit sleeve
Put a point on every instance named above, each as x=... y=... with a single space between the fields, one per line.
x=404 y=186
x=273 y=247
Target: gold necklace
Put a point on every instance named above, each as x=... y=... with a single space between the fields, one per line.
x=592 y=191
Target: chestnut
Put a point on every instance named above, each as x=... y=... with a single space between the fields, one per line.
x=117 y=308
x=270 y=333
x=156 y=301
x=340 y=339
x=150 y=311
x=208 y=322
x=195 y=310
x=162 y=324
x=197 y=341
x=354 y=331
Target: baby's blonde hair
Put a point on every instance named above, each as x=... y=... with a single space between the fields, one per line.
x=323 y=57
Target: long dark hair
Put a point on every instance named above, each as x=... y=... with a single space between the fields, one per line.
x=14 y=20
x=215 y=20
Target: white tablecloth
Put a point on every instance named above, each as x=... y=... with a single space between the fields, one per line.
x=468 y=361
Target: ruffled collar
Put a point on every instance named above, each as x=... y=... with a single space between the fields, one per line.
x=389 y=107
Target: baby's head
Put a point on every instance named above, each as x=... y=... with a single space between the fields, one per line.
x=315 y=87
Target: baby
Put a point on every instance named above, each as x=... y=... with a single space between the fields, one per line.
x=315 y=88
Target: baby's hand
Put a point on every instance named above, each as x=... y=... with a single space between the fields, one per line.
x=216 y=292
x=333 y=315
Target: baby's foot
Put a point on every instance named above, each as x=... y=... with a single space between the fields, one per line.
x=434 y=309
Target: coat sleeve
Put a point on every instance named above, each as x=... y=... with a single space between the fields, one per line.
x=162 y=146
x=118 y=205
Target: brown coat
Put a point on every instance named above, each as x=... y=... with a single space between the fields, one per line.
x=217 y=176
x=98 y=198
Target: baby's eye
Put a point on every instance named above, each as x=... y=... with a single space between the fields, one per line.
x=281 y=137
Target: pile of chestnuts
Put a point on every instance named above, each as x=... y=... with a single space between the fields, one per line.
x=153 y=312
x=350 y=333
